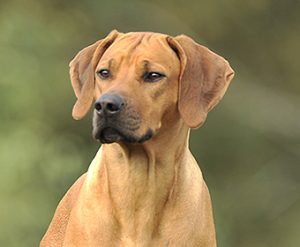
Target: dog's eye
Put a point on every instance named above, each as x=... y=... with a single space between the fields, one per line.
x=153 y=76
x=103 y=74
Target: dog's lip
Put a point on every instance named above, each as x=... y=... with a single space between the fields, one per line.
x=109 y=135
x=110 y=131
x=149 y=134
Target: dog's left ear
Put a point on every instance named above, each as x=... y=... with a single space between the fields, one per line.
x=82 y=73
x=203 y=80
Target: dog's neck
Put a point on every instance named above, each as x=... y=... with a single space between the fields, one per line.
x=139 y=180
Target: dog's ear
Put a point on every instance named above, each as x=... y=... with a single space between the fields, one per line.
x=82 y=73
x=203 y=80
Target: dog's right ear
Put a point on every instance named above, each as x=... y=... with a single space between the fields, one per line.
x=82 y=73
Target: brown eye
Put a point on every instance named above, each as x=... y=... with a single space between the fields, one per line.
x=153 y=76
x=103 y=74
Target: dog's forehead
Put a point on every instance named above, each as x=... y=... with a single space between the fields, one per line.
x=145 y=45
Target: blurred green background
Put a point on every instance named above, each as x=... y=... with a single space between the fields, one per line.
x=249 y=148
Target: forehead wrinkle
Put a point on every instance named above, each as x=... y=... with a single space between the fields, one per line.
x=137 y=43
x=146 y=65
x=125 y=47
x=151 y=50
x=131 y=48
x=132 y=41
x=163 y=42
x=110 y=62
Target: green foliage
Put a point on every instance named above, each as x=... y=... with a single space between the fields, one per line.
x=248 y=149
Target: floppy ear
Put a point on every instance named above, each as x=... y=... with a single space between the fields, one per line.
x=203 y=81
x=82 y=73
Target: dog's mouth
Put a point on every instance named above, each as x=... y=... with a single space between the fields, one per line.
x=109 y=135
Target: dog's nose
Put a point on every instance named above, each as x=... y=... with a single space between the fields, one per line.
x=109 y=104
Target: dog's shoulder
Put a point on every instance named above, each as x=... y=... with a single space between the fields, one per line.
x=60 y=220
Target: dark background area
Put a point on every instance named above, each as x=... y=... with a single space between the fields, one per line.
x=248 y=150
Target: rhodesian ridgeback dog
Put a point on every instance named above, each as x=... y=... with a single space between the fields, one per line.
x=144 y=187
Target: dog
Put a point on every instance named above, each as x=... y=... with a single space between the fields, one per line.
x=144 y=187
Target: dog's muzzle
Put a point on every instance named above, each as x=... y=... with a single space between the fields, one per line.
x=114 y=121
x=108 y=109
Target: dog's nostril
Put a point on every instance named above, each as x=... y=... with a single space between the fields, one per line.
x=109 y=104
x=98 y=106
x=112 y=107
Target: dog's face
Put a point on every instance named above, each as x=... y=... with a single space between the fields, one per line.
x=142 y=81
x=136 y=85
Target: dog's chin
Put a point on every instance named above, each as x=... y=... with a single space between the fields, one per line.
x=110 y=135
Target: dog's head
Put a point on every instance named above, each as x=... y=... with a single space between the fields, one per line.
x=143 y=81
